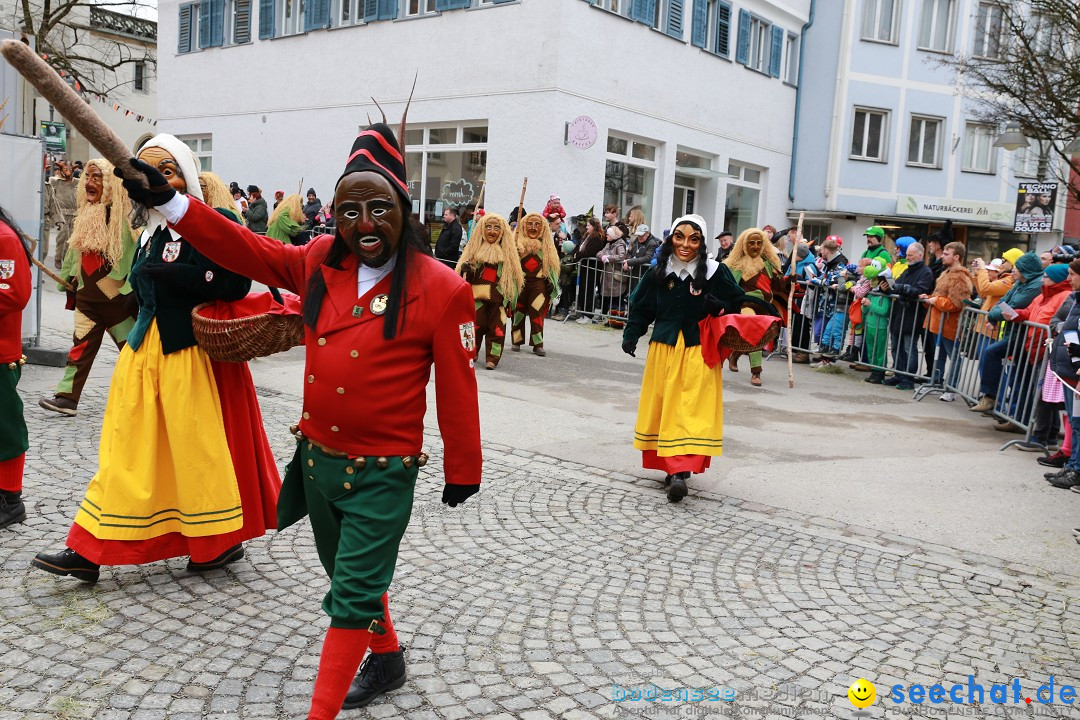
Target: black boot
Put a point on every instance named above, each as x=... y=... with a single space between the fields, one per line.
x=67 y=562
x=380 y=673
x=12 y=509
x=876 y=377
x=236 y=552
x=677 y=489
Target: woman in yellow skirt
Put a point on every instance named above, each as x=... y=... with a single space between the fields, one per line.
x=680 y=418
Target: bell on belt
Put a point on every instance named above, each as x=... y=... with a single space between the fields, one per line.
x=422 y=459
x=360 y=462
x=382 y=463
x=407 y=462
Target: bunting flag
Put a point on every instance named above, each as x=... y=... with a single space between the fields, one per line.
x=117 y=107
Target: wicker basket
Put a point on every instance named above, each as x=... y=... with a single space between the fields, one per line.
x=732 y=340
x=239 y=339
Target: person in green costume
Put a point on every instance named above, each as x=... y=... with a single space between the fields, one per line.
x=287 y=220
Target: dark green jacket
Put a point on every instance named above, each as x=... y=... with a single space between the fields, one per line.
x=673 y=308
x=170 y=277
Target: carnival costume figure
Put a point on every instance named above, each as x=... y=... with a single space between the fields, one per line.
x=97 y=264
x=540 y=267
x=679 y=426
x=60 y=208
x=184 y=467
x=15 y=285
x=490 y=265
x=378 y=314
x=755 y=266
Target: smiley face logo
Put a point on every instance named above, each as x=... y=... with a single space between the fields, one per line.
x=862 y=693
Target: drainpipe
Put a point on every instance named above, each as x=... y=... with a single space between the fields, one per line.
x=798 y=103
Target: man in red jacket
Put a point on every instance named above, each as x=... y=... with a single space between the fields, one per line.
x=14 y=294
x=378 y=314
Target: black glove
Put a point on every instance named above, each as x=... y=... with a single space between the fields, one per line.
x=157 y=190
x=629 y=347
x=454 y=494
x=1074 y=350
x=131 y=304
x=713 y=305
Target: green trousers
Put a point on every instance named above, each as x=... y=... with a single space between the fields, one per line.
x=358 y=513
x=13 y=436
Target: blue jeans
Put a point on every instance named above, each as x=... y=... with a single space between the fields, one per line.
x=944 y=351
x=833 y=337
x=905 y=354
x=990 y=367
x=1074 y=424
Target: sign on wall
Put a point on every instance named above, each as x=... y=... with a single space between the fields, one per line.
x=582 y=132
x=457 y=193
x=55 y=136
x=963 y=210
x=1035 y=204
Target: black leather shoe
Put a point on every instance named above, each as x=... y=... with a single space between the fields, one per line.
x=12 y=509
x=380 y=673
x=236 y=552
x=894 y=380
x=1057 y=460
x=67 y=562
x=677 y=488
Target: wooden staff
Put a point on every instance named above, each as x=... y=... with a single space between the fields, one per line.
x=68 y=103
x=300 y=187
x=479 y=198
x=521 y=202
x=790 y=297
x=33 y=246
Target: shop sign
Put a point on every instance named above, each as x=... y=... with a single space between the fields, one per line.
x=1035 y=203
x=457 y=193
x=956 y=210
x=582 y=132
x=55 y=136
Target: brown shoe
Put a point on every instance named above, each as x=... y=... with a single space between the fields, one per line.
x=755 y=376
x=733 y=362
x=1006 y=426
x=859 y=367
x=539 y=350
x=62 y=405
x=985 y=405
x=515 y=348
x=489 y=365
x=800 y=358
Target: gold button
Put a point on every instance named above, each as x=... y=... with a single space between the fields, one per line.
x=311 y=463
x=310 y=446
x=354 y=354
x=349 y=470
x=307 y=416
x=334 y=428
x=348 y=486
x=311 y=378
x=322 y=341
x=341 y=391
x=310 y=477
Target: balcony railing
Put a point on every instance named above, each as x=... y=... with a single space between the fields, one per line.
x=101 y=19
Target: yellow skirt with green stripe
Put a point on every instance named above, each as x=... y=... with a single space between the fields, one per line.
x=681 y=410
x=163 y=464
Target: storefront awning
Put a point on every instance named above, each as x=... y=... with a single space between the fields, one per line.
x=704 y=173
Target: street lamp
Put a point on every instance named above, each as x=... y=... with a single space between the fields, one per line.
x=1012 y=138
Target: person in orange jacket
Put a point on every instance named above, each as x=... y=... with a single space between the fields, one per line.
x=951 y=289
x=14 y=295
x=378 y=315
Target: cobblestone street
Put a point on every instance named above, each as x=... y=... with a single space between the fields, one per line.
x=556 y=591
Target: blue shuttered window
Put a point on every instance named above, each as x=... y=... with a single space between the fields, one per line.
x=441 y=5
x=211 y=23
x=316 y=14
x=266 y=19
x=186 y=26
x=699 y=28
x=371 y=10
x=776 y=50
x=722 y=45
x=388 y=9
x=742 y=48
x=241 y=22
x=674 y=26
x=643 y=11
x=204 y=23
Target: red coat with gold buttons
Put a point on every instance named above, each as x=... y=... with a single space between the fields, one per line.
x=15 y=293
x=363 y=394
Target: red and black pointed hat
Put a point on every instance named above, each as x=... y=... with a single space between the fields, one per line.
x=376 y=150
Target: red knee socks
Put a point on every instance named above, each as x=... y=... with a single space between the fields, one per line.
x=388 y=641
x=342 y=652
x=11 y=475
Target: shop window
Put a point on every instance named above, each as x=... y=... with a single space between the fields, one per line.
x=203 y=147
x=743 y=198
x=630 y=174
x=446 y=167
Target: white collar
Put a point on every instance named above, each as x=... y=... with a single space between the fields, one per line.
x=684 y=270
x=150 y=230
x=368 y=277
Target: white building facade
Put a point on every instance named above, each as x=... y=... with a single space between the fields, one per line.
x=674 y=105
x=885 y=138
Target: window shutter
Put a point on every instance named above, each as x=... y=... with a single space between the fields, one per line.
x=371 y=10
x=217 y=23
x=316 y=15
x=699 y=24
x=266 y=19
x=675 y=19
x=639 y=11
x=500 y=2
x=742 y=50
x=204 y=23
x=441 y=5
x=242 y=26
x=388 y=9
x=183 y=41
x=776 y=50
x=723 y=29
